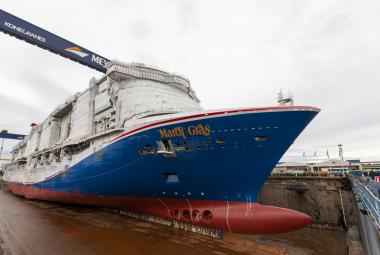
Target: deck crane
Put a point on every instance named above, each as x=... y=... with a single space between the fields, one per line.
x=35 y=35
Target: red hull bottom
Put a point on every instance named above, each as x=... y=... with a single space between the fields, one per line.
x=226 y=216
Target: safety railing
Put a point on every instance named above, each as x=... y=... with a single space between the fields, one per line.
x=368 y=199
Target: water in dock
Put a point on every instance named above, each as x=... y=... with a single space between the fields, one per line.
x=36 y=227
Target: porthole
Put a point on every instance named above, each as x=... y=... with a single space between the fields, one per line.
x=186 y=214
x=207 y=216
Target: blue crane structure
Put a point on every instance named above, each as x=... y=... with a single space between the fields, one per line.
x=35 y=35
x=5 y=135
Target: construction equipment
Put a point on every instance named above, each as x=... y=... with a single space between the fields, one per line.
x=35 y=35
x=5 y=135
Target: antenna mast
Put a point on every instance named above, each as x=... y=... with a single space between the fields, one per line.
x=285 y=99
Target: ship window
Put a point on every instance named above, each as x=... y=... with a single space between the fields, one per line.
x=166 y=145
x=220 y=140
x=171 y=178
x=260 y=138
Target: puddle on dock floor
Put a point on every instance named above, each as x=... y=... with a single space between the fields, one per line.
x=36 y=227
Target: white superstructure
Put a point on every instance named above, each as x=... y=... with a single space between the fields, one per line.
x=128 y=95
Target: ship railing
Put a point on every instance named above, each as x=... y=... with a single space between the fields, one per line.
x=166 y=78
x=368 y=199
x=169 y=78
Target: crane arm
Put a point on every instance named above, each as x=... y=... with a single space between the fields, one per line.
x=35 y=35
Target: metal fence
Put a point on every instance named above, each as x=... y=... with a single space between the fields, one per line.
x=368 y=199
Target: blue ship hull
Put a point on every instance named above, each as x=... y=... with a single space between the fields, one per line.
x=224 y=156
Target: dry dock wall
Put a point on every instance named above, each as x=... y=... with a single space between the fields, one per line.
x=320 y=197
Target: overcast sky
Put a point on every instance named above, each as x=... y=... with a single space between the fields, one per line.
x=235 y=53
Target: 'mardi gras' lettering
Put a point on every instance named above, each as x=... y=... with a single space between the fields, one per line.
x=190 y=131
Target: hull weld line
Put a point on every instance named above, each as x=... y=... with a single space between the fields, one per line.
x=94 y=176
x=191 y=211
x=247 y=205
x=228 y=209
x=167 y=208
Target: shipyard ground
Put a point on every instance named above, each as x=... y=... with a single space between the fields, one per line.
x=35 y=227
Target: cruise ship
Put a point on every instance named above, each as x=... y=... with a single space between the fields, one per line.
x=138 y=140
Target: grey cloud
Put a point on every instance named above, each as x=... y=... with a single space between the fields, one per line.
x=16 y=115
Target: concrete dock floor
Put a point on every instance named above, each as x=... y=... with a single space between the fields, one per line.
x=36 y=227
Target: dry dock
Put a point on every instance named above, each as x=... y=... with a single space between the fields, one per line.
x=35 y=227
x=328 y=200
